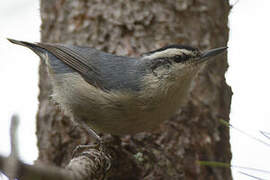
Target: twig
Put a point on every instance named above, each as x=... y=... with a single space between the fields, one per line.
x=227 y=165
x=10 y=164
x=254 y=177
x=243 y=132
x=265 y=134
x=90 y=164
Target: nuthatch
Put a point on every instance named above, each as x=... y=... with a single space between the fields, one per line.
x=118 y=94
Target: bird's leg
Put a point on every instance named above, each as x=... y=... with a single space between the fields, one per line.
x=93 y=134
x=99 y=141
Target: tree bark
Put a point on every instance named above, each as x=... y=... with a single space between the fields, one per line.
x=130 y=28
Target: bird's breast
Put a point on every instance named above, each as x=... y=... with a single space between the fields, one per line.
x=117 y=112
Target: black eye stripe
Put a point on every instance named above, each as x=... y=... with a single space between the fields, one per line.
x=160 y=62
x=168 y=61
x=184 y=57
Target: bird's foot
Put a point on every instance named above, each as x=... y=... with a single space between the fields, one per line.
x=99 y=145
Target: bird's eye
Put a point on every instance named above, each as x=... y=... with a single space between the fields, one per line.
x=184 y=57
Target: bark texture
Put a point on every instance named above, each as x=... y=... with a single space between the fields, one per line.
x=130 y=28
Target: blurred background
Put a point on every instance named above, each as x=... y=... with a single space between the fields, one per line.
x=248 y=75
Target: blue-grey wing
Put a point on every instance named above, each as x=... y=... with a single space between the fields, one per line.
x=100 y=69
x=75 y=61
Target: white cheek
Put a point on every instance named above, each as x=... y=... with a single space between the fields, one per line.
x=178 y=69
x=186 y=68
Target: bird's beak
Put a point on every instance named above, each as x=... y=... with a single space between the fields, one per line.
x=212 y=52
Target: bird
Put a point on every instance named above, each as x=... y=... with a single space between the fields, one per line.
x=119 y=95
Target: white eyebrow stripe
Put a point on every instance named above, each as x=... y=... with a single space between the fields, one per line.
x=167 y=53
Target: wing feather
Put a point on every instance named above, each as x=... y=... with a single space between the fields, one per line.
x=74 y=60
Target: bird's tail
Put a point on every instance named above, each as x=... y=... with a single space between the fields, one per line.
x=32 y=46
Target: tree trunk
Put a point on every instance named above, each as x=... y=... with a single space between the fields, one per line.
x=130 y=28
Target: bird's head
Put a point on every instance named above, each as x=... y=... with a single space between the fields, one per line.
x=178 y=59
x=171 y=71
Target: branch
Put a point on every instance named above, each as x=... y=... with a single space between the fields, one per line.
x=90 y=164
